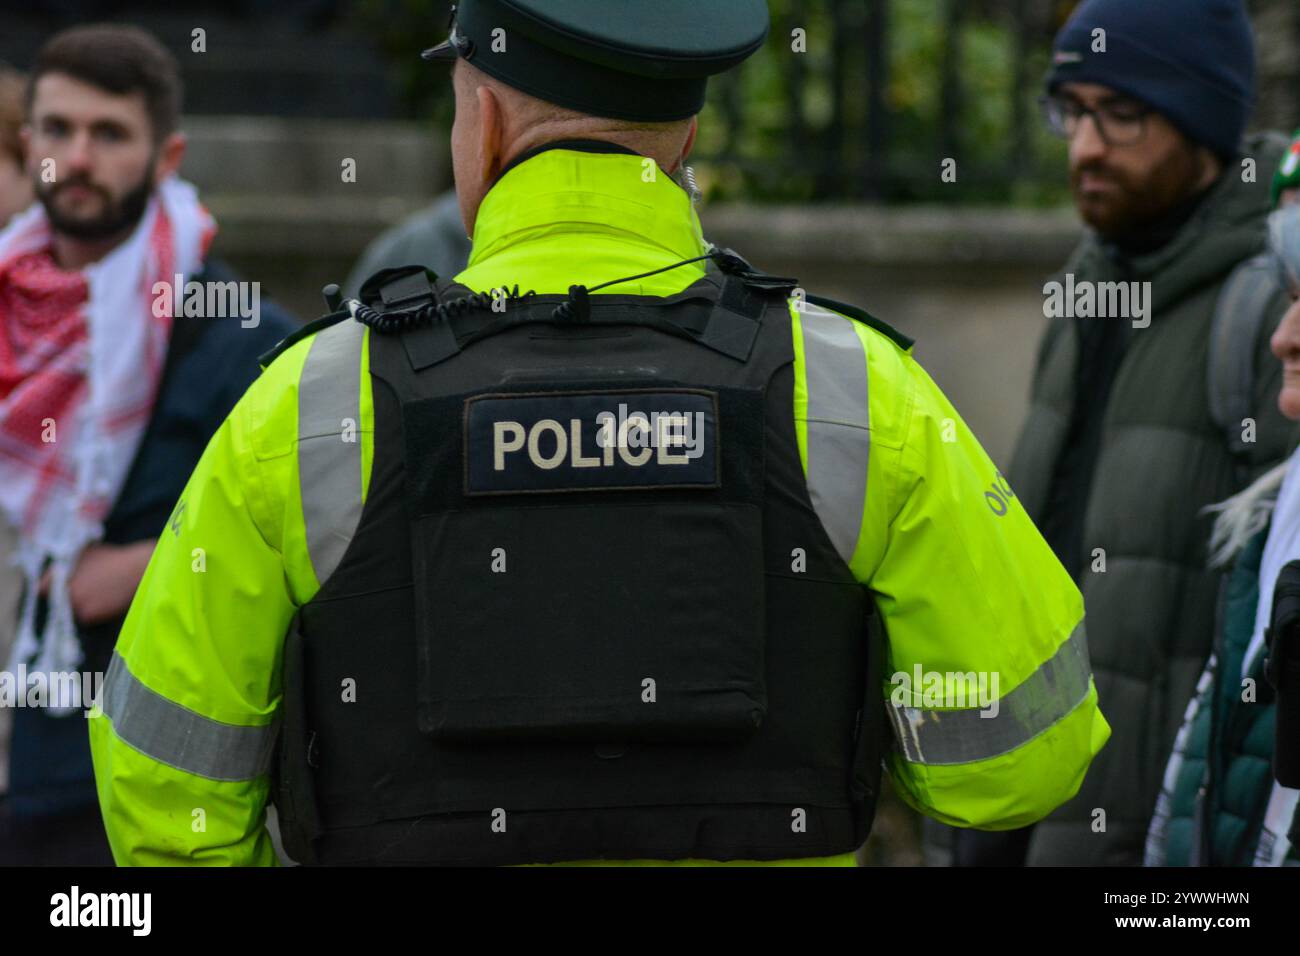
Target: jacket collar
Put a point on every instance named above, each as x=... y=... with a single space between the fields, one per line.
x=571 y=188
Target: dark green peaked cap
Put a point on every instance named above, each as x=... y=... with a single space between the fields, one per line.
x=644 y=60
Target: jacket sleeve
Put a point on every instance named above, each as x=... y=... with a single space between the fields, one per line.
x=185 y=725
x=1004 y=721
x=987 y=682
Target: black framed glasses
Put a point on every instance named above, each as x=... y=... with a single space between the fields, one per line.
x=1118 y=124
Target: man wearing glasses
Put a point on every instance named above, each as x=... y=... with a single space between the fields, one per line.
x=1136 y=426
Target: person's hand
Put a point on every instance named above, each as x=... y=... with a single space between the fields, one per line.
x=104 y=580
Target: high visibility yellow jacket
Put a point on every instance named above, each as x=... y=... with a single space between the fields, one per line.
x=965 y=584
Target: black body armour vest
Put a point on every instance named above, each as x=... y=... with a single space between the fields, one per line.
x=589 y=609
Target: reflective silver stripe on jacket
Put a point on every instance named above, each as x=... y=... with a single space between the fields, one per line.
x=180 y=738
x=329 y=443
x=962 y=735
x=838 y=444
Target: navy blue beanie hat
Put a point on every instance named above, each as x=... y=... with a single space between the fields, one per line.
x=1193 y=61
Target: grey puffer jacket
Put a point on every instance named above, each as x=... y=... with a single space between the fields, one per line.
x=1148 y=594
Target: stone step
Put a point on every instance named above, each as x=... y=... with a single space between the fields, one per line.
x=274 y=158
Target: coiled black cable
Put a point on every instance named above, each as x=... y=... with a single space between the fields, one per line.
x=403 y=320
x=575 y=308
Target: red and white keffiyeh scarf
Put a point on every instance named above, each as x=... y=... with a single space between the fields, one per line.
x=81 y=356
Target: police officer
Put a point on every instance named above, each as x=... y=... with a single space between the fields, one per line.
x=613 y=548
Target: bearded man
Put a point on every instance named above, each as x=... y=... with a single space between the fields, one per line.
x=1139 y=421
x=108 y=396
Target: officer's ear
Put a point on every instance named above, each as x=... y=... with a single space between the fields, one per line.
x=491 y=121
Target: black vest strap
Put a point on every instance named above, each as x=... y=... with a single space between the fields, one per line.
x=721 y=312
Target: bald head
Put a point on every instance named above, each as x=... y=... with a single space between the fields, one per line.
x=495 y=123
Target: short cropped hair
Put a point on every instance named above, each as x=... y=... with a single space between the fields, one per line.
x=118 y=59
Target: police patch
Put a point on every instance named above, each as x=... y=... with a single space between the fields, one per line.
x=591 y=441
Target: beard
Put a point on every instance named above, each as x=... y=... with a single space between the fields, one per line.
x=1132 y=203
x=116 y=217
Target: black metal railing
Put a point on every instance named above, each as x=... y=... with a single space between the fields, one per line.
x=876 y=95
